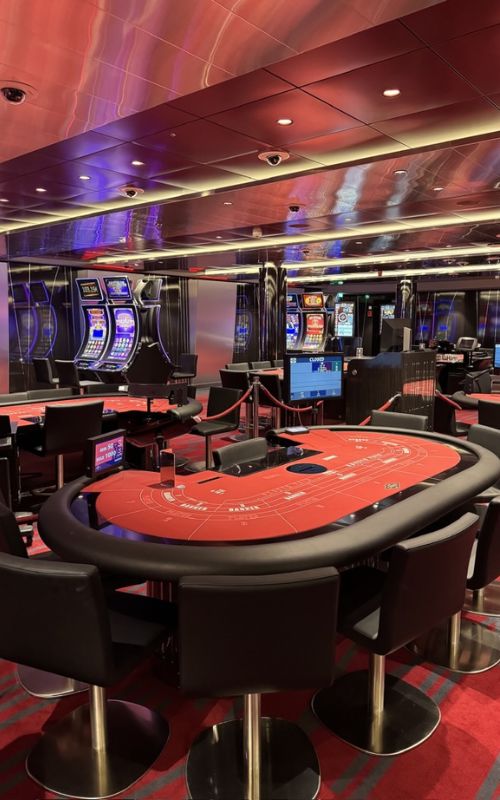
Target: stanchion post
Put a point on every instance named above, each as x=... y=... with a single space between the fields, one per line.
x=255 y=409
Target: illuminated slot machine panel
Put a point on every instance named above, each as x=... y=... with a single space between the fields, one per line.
x=315 y=331
x=293 y=331
x=124 y=341
x=387 y=311
x=97 y=337
x=242 y=332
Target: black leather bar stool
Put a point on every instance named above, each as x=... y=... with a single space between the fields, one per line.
x=445 y=417
x=488 y=414
x=239 y=452
x=239 y=379
x=219 y=398
x=239 y=366
x=273 y=385
x=396 y=419
x=464 y=645
x=277 y=362
x=260 y=364
x=378 y=713
x=245 y=635
x=44 y=373
x=188 y=363
x=67 y=372
x=58 y=620
x=66 y=428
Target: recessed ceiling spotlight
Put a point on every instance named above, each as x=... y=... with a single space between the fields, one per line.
x=284 y=121
x=172 y=135
x=358 y=242
x=84 y=177
x=227 y=203
x=438 y=188
x=218 y=237
x=348 y=219
x=4 y=200
x=391 y=92
x=136 y=163
x=400 y=172
x=15 y=92
x=40 y=189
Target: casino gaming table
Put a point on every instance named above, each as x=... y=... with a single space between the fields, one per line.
x=326 y=497
x=470 y=401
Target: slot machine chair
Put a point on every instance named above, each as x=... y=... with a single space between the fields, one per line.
x=382 y=611
x=69 y=378
x=186 y=371
x=238 y=635
x=219 y=398
x=66 y=429
x=44 y=374
x=149 y=366
x=59 y=619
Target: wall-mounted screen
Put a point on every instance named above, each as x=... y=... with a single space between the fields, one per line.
x=39 y=292
x=118 y=288
x=313 y=376
x=344 y=319
x=313 y=301
x=89 y=289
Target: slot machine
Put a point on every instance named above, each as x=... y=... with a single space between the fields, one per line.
x=293 y=323
x=344 y=320
x=25 y=328
x=242 y=327
x=47 y=321
x=314 y=322
x=147 y=294
x=96 y=324
x=124 y=334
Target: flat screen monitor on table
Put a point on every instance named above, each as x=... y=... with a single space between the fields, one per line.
x=105 y=453
x=312 y=376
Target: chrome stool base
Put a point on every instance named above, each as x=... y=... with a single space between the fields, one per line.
x=39 y=683
x=289 y=766
x=408 y=717
x=485 y=602
x=64 y=761
x=477 y=649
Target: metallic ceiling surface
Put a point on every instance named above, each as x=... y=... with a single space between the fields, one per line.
x=445 y=59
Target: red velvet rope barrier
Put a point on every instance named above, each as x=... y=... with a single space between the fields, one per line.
x=231 y=408
x=294 y=409
x=383 y=407
x=448 y=400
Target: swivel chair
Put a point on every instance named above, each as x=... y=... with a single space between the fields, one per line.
x=483 y=591
x=219 y=398
x=58 y=620
x=239 y=635
x=67 y=372
x=44 y=374
x=382 y=611
x=445 y=417
x=187 y=367
x=396 y=419
x=239 y=379
x=237 y=453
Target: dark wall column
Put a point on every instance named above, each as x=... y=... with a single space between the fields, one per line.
x=269 y=281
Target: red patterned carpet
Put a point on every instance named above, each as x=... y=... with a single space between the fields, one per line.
x=461 y=761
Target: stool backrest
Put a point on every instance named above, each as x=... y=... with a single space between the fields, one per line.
x=57 y=618
x=43 y=370
x=444 y=416
x=220 y=398
x=277 y=362
x=11 y=540
x=240 y=366
x=67 y=373
x=273 y=385
x=486 y=437
x=426 y=582
x=234 y=379
x=487 y=556
x=395 y=419
x=188 y=362
x=260 y=364
x=68 y=425
x=248 y=450
x=257 y=633
x=488 y=414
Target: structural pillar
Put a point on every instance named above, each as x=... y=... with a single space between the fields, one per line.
x=269 y=280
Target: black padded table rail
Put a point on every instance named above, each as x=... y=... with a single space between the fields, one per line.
x=382 y=486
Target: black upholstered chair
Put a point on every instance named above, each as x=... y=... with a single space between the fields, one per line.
x=395 y=419
x=445 y=417
x=219 y=398
x=260 y=364
x=239 y=366
x=66 y=429
x=488 y=414
x=67 y=373
x=273 y=385
x=44 y=373
x=58 y=621
x=239 y=452
x=248 y=635
x=188 y=363
x=239 y=379
x=277 y=362
x=483 y=591
x=382 y=611
x=489 y=438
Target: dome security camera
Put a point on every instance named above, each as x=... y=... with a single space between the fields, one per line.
x=274 y=157
x=131 y=191
x=294 y=208
x=13 y=94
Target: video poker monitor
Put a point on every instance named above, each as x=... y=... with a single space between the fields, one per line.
x=20 y=293
x=105 y=453
x=496 y=362
x=344 y=320
x=292 y=331
x=309 y=376
x=89 y=290
x=118 y=288
x=466 y=343
x=313 y=301
x=39 y=292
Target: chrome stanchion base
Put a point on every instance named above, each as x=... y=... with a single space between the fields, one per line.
x=484 y=603
x=408 y=718
x=289 y=765
x=478 y=648
x=39 y=683
x=64 y=761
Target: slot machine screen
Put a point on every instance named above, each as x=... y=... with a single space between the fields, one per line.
x=292 y=331
x=344 y=319
x=313 y=376
x=125 y=330
x=118 y=288
x=20 y=293
x=292 y=301
x=89 y=289
x=39 y=292
x=387 y=311
x=97 y=326
x=312 y=301
x=105 y=453
x=315 y=325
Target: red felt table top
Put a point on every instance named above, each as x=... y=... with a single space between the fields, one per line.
x=121 y=403
x=362 y=468
x=488 y=397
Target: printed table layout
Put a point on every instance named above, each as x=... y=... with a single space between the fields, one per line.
x=21 y=413
x=348 y=471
